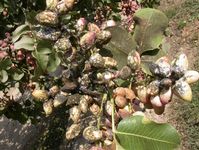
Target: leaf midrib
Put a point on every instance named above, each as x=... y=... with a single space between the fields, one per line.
x=145 y=137
x=144 y=32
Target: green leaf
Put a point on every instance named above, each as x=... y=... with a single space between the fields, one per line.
x=44 y=47
x=23 y=29
x=17 y=75
x=119 y=82
x=54 y=62
x=42 y=60
x=1 y=7
x=3 y=76
x=25 y=42
x=5 y=64
x=120 y=44
x=150 y=25
x=139 y=133
x=37 y=73
x=166 y=45
x=30 y=17
x=139 y=1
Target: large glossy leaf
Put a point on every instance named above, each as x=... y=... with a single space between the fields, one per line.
x=54 y=62
x=5 y=63
x=139 y=133
x=19 y=31
x=44 y=47
x=17 y=75
x=120 y=44
x=3 y=76
x=42 y=60
x=30 y=17
x=150 y=25
x=25 y=42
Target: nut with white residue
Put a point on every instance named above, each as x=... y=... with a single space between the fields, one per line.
x=73 y=131
x=47 y=17
x=133 y=60
x=191 y=76
x=153 y=87
x=183 y=90
x=64 y=6
x=142 y=94
x=92 y=134
x=75 y=114
x=53 y=90
x=97 y=60
x=59 y=99
x=83 y=105
x=48 y=107
x=95 y=109
x=40 y=95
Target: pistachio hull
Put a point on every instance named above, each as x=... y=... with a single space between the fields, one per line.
x=164 y=67
x=125 y=72
x=153 y=88
x=181 y=61
x=88 y=40
x=165 y=96
x=191 y=76
x=155 y=101
x=108 y=108
x=63 y=45
x=95 y=109
x=83 y=105
x=47 y=33
x=97 y=60
x=73 y=131
x=75 y=114
x=103 y=37
x=47 y=18
x=51 y=4
x=109 y=62
x=92 y=134
x=48 y=107
x=133 y=59
x=64 y=6
x=183 y=90
x=130 y=95
x=142 y=94
x=40 y=95
x=123 y=113
x=120 y=101
x=93 y=28
x=119 y=91
x=59 y=100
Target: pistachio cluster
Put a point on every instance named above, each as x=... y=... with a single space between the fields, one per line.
x=85 y=72
x=170 y=79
